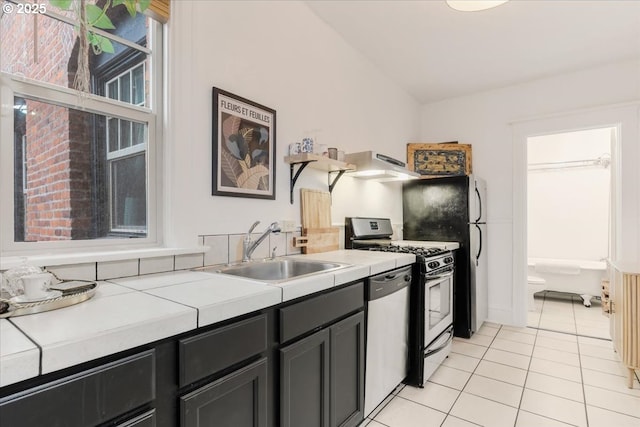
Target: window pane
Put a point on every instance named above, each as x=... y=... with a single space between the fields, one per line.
x=128 y=193
x=138 y=133
x=50 y=54
x=138 y=85
x=125 y=134
x=112 y=90
x=67 y=191
x=112 y=132
x=125 y=88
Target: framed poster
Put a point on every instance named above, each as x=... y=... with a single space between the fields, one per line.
x=445 y=159
x=244 y=147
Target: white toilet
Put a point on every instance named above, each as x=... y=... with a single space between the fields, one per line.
x=535 y=284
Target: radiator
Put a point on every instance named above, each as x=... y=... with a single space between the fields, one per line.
x=631 y=320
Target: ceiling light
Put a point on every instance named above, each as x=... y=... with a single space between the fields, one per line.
x=474 y=5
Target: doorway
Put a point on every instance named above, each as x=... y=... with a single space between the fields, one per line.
x=624 y=230
x=568 y=211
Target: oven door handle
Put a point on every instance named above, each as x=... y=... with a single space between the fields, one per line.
x=432 y=351
x=440 y=276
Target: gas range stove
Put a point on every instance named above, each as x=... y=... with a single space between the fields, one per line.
x=415 y=250
x=424 y=251
x=433 y=259
x=374 y=234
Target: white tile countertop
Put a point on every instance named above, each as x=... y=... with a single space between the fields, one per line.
x=113 y=320
x=129 y=312
x=377 y=262
x=19 y=356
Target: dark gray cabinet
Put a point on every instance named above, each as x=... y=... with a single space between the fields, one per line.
x=210 y=352
x=232 y=362
x=322 y=377
x=304 y=382
x=297 y=364
x=86 y=399
x=319 y=311
x=235 y=400
x=347 y=371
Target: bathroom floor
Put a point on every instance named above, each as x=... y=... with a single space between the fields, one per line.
x=564 y=312
x=524 y=377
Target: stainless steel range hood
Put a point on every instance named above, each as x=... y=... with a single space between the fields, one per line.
x=378 y=167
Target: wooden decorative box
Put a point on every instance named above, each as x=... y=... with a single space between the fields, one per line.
x=435 y=160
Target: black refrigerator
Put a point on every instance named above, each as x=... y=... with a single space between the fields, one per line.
x=453 y=209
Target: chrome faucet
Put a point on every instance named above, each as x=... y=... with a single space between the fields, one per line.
x=248 y=246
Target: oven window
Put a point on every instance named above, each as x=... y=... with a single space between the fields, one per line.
x=439 y=304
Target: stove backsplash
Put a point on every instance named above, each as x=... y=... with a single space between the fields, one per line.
x=347 y=231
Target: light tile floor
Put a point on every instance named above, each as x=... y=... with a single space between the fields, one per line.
x=566 y=313
x=524 y=377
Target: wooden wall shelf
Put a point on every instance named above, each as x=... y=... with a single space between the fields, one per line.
x=315 y=161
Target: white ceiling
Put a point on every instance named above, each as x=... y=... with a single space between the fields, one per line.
x=435 y=52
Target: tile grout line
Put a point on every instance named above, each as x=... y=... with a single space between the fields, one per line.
x=575 y=302
x=526 y=376
x=376 y=411
x=40 y=349
x=379 y=409
x=469 y=379
x=576 y=335
x=584 y=394
x=492 y=340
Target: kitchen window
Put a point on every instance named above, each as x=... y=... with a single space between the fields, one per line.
x=126 y=146
x=78 y=169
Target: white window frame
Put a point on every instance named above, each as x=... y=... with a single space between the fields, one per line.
x=122 y=153
x=12 y=85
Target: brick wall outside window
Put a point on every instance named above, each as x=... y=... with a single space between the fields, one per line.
x=58 y=141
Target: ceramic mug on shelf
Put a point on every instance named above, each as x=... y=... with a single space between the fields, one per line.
x=36 y=285
x=307 y=145
x=294 y=148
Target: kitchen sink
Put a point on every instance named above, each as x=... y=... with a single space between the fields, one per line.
x=278 y=270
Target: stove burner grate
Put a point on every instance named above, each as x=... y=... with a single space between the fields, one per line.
x=415 y=250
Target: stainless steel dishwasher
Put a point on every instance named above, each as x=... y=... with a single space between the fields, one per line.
x=387 y=335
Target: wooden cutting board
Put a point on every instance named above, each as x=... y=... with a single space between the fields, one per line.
x=316 y=240
x=317 y=233
x=315 y=208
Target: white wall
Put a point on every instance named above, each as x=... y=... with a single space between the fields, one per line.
x=484 y=120
x=281 y=55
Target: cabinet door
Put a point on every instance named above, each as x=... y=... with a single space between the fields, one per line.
x=236 y=400
x=304 y=382
x=347 y=371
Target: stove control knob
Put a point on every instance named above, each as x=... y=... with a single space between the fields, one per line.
x=448 y=260
x=407 y=278
x=433 y=264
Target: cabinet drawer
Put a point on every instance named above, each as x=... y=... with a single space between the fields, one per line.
x=148 y=419
x=307 y=315
x=85 y=399
x=210 y=352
